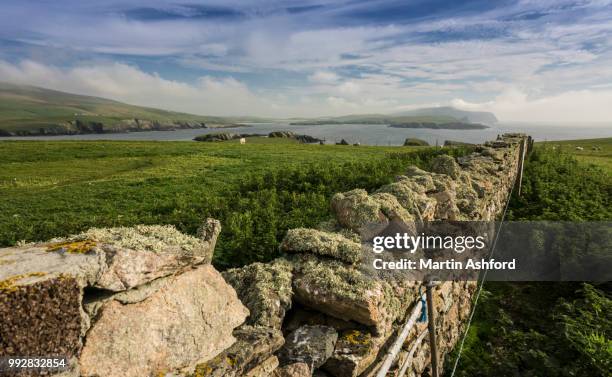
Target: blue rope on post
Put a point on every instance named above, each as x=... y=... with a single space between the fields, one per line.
x=423 y=307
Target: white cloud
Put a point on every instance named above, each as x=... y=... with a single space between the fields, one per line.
x=573 y=106
x=370 y=93
x=323 y=77
x=207 y=95
x=210 y=96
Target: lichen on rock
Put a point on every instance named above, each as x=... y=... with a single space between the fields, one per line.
x=312 y=345
x=333 y=276
x=265 y=289
x=391 y=208
x=80 y=247
x=140 y=237
x=253 y=346
x=445 y=164
x=354 y=209
x=302 y=240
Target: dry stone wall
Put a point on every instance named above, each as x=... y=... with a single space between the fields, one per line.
x=358 y=313
x=145 y=301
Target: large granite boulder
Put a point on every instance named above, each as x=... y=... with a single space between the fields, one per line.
x=176 y=325
x=265 y=289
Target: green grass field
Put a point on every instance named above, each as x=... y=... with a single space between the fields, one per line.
x=595 y=151
x=258 y=190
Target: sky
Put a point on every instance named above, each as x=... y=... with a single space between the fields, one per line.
x=529 y=60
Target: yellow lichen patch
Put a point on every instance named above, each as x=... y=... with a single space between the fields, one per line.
x=76 y=247
x=222 y=362
x=202 y=370
x=206 y=369
x=8 y=285
x=230 y=361
x=357 y=337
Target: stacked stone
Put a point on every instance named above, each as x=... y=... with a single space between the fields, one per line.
x=139 y=301
x=341 y=315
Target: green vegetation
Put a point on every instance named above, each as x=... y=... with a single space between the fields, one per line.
x=594 y=151
x=32 y=110
x=548 y=329
x=257 y=190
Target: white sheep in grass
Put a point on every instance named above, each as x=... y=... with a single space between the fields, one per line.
x=242 y=140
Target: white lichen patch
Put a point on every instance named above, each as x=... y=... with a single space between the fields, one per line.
x=334 y=277
x=141 y=237
x=354 y=209
x=446 y=164
x=333 y=245
x=390 y=206
x=265 y=289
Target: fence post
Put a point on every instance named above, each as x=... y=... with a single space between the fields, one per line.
x=433 y=347
x=519 y=179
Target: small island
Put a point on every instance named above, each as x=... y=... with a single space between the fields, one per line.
x=441 y=126
x=431 y=121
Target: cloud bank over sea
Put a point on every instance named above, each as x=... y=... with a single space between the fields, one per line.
x=522 y=60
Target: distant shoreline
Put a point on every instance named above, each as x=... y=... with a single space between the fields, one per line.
x=428 y=125
x=98 y=129
x=441 y=126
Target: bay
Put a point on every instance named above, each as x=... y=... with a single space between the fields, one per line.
x=367 y=134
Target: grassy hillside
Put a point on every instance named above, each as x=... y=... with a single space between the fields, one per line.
x=376 y=119
x=446 y=111
x=29 y=109
x=594 y=151
x=258 y=190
